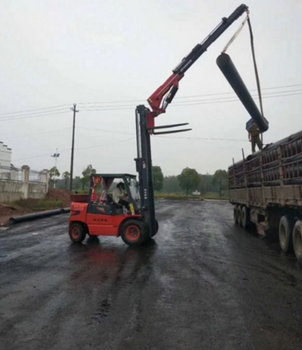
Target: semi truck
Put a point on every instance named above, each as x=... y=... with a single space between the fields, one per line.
x=265 y=190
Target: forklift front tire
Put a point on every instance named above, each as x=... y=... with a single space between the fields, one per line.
x=156 y=228
x=133 y=232
x=77 y=233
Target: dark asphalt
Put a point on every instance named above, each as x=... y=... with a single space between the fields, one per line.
x=203 y=283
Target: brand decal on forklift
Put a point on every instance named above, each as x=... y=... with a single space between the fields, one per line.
x=100 y=220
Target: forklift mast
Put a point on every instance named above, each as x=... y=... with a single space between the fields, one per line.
x=159 y=101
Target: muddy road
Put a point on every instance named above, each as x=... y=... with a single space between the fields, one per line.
x=203 y=283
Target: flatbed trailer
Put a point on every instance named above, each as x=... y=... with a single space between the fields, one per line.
x=266 y=190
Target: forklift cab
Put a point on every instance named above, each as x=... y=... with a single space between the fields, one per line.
x=101 y=198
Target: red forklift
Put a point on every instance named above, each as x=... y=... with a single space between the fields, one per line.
x=96 y=214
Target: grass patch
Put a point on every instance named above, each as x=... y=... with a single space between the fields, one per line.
x=181 y=196
x=38 y=204
x=213 y=195
x=177 y=196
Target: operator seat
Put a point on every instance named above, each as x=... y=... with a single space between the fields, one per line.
x=114 y=207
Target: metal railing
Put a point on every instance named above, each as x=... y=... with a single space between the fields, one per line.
x=10 y=173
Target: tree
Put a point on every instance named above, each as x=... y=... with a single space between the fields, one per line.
x=158 y=178
x=206 y=184
x=188 y=179
x=201 y=186
x=86 y=175
x=76 y=183
x=171 y=184
x=66 y=177
x=53 y=174
x=220 y=178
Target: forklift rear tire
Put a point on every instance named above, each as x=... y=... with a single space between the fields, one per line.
x=133 y=232
x=77 y=233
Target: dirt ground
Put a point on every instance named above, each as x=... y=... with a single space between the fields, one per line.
x=27 y=206
x=59 y=195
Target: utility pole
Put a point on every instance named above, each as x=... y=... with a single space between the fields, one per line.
x=72 y=144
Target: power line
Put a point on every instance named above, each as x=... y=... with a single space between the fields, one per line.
x=205 y=139
x=253 y=95
x=92 y=108
x=110 y=131
x=33 y=110
x=57 y=108
x=192 y=103
x=229 y=100
x=35 y=134
x=77 y=148
x=226 y=93
x=187 y=96
x=4 y=119
x=176 y=104
x=171 y=137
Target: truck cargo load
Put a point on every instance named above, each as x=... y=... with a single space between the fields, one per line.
x=266 y=190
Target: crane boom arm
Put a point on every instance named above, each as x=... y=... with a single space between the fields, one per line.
x=164 y=95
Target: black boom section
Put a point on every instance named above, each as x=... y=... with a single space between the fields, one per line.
x=199 y=49
x=230 y=72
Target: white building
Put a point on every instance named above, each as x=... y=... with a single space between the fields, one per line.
x=5 y=162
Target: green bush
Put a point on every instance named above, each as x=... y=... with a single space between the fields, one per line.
x=181 y=196
x=177 y=196
x=214 y=195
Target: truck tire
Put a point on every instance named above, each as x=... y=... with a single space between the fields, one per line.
x=297 y=240
x=133 y=232
x=235 y=213
x=77 y=232
x=244 y=217
x=239 y=214
x=285 y=233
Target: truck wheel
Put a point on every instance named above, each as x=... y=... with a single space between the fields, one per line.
x=244 y=217
x=285 y=233
x=133 y=232
x=235 y=213
x=239 y=215
x=77 y=233
x=297 y=240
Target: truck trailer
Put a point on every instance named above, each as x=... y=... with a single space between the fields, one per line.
x=265 y=189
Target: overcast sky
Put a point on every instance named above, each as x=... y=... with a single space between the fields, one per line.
x=109 y=56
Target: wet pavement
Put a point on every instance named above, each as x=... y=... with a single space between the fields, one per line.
x=202 y=283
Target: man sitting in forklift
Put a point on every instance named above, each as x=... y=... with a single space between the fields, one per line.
x=119 y=196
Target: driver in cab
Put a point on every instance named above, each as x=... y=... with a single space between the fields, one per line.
x=119 y=196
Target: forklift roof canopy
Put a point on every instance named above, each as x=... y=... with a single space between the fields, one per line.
x=115 y=175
